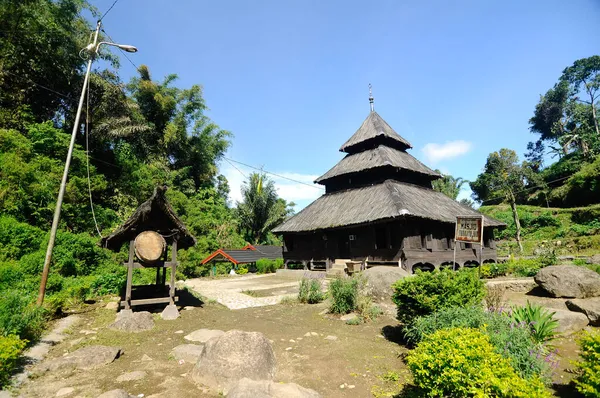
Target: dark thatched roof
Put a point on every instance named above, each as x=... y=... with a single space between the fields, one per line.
x=378 y=157
x=387 y=200
x=374 y=127
x=155 y=214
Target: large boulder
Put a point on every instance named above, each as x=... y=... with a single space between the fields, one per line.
x=246 y=388
x=236 y=354
x=569 y=281
x=380 y=280
x=590 y=307
x=570 y=322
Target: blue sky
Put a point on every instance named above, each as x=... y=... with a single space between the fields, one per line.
x=458 y=79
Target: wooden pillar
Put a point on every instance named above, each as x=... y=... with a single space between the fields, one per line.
x=173 y=267
x=129 y=275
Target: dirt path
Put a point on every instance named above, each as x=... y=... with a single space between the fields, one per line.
x=358 y=361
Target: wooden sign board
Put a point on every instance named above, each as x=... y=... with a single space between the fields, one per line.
x=469 y=229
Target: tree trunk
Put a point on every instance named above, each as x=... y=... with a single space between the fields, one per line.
x=513 y=206
x=595 y=119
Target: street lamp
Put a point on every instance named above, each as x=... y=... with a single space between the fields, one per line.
x=92 y=48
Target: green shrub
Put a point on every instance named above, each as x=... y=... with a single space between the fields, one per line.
x=266 y=266
x=547 y=258
x=493 y=270
x=576 y=261
x=11 y=347
x=461 y=362
x=20 y=316
x=242 y=270
x=539 y=321
x=525 y=267
x=344 y=295
x=509 y=340
x=593 y=267
x=311 y=291
x=109 y=283
x=588 y=381
x=428 y=292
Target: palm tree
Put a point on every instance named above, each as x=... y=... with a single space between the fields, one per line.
x=449 y=185
x=261 y=209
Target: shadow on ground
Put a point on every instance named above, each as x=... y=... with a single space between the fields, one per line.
x=186 y=298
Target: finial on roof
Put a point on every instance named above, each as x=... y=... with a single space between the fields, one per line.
x=371 y=98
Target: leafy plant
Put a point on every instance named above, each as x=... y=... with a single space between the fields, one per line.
x=311 y=291
x=266 y=266
x=11 y=347
x=428 y=292
x=19 y=316
x=462 y=362
x=539 y=320
x=344 y=295
x=588 y=381
x=512 y=341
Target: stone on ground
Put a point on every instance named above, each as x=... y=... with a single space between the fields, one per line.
x=570 y=322
x=170 y=313
x=112 y=306
x=129 y=321
x=187 y=352
x=380 y=280
x=203 y=335
x=89 y=357
x=569 y=281
x=115 y=394
x=590 y=307
x=234 y=355
x=332 y=338
x=132 y=376
x=65 y=391
x=349 y=317
x=247 y=388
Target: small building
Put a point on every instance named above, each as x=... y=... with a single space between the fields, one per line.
x=149 y=232
x=249 y=254
x=379 y=208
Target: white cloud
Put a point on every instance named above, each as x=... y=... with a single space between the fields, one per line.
x=452 y=149
x=291 y=191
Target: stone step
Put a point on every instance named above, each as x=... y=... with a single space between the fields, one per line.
x=341 y=261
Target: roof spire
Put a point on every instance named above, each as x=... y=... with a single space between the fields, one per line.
x=371 y=98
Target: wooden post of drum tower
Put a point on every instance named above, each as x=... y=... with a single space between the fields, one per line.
x=129 y=275
x=173 y=266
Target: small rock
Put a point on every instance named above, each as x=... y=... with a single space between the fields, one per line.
x=203 y=335
x=332 y=338
x=86 y=332
x=63 y=392
x=129 y=321
x=289 y=348
x=76 y=341
x=187 y=352
x=314 y=333
x=113 y=306
x=115 y=394
x=351 y=386
x=298 y=338
x=342 y=386
x=307 y=334
x=170 y=313
x=89 y=357
x=178 y=331
x=189 y=308
x=146 y=358
x=131 y=376
x=292 y=341
x=348 y=317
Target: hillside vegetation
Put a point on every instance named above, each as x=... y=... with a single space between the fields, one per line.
x=568 y=230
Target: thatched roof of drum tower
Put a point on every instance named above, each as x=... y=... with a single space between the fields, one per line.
x=373 y=131
x=386 y=201
x=155 y=214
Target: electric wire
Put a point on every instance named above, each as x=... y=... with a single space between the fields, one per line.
x=235 y=167
x=107 y=11
x=37 y=84
x=274 y=174
x=122 y=51
x=87 y=157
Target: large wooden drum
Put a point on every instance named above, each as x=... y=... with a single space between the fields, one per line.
x=149 y=246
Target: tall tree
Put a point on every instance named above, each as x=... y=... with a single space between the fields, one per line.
x=502 y=178
x=568 y=113
x=261 y=209
x=449 y=185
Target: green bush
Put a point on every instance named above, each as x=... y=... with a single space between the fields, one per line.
x=525 y=267
x=20 y=316
x=588 y=381
x=311 y=291
x=344 y=295
x=11 y=347
x=266 y=266
x=510 y=340
x=462 y=362
x=242 y=269
x=493 y=270
x=109 y=282
x=539 y=321
x=428 y=292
